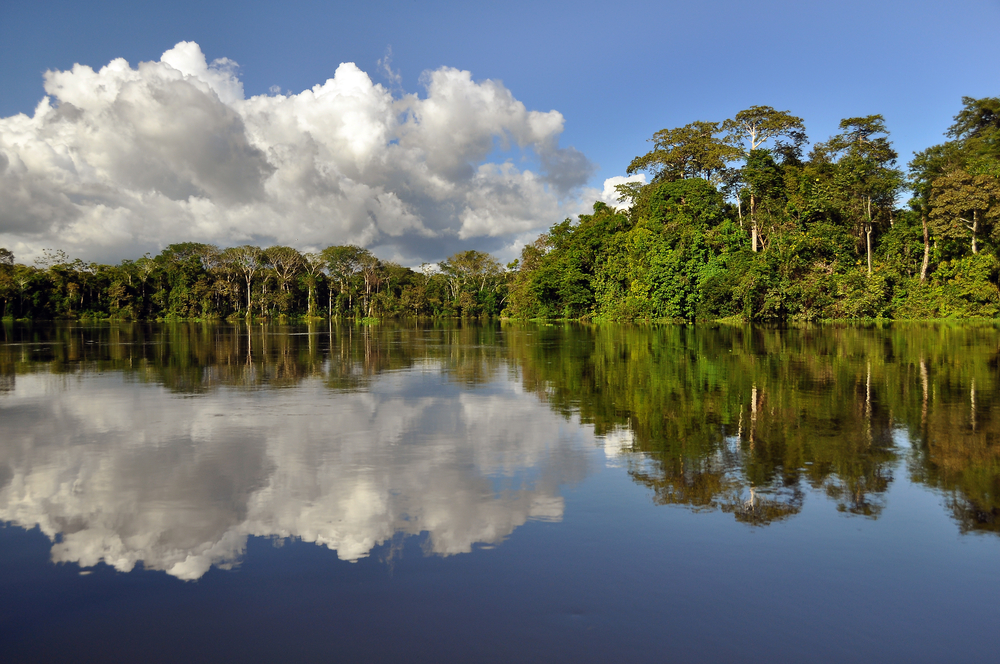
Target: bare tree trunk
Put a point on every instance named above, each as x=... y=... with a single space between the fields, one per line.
x=868 y=246
x=975 y=228
x=927 y=249
x=868 y=236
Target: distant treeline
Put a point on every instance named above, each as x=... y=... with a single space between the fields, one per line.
x=735 y=221
x=201 y=281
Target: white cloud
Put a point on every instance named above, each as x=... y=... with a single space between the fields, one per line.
x=120 y=472
x=610 y=195
x=124 y=160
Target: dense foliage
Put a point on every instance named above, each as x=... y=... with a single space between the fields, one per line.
x=735 y=221
x=200 y=281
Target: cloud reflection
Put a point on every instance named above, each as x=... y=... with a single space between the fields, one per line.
x=124 y=473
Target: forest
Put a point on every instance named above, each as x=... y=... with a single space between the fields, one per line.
x=734 y=222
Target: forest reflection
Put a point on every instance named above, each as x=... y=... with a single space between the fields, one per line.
x=745 y=420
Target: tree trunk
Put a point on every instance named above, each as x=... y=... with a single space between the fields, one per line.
x=868 y=235
x=868 y=247
x=927 y=249
x=753 y=222
x=975 y=227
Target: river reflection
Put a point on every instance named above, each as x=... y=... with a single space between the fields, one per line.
x=746 y=419
x=113 y=468
x=171 y=445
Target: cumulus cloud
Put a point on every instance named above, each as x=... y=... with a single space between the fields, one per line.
x=611 y=196
x=123 y=160
x=115 y=472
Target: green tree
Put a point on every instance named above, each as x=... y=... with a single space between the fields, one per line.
x=312 y=272
x=866 y=174
x=343 y=262
x=246 y=261
x=286 y=264
x=752 y=129
x=961 y=204
x=692 y=151
x=7 y=284
x=472 y=277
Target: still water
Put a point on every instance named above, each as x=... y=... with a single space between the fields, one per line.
x=499 y=493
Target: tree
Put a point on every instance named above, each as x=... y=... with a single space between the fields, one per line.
x=751 y=129
x=866 y=175
x=371 y=272
x=6 y=278
x=286 y=263
x=925 y=167
x=961 y=203
x=247 y=261
x=977 y=126
x=473 y=273
x=694 y=150
x=312 y=269
x=343 y=263
x=974 y=150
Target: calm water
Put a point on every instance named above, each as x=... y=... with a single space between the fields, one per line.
x=499 y=493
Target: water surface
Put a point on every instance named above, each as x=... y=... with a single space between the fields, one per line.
x=499 y=493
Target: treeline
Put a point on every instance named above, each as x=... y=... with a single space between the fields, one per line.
x=736 y=221
x=201 y=281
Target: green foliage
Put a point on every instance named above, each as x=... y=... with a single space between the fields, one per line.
x=796 y=240
x=198 y=281
x=693 y=151
x=733 y=223
x=555 y=275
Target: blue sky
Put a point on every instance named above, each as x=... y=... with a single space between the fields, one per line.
x=615 y=72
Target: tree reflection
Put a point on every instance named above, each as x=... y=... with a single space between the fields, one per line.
x=744 y=419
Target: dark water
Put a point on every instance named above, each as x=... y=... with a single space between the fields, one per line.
x=499 y=493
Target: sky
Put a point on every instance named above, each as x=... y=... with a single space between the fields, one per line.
x=419 y=129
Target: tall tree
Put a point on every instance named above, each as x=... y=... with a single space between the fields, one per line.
x=866 y=173
x=962 y=203
x=312 y=270
x=286 y=263
x=6 y=278
x=751 y=130
x=343 y=262
x=371 y=272
x=977 y=127
x=694 y=150
x=471 y=272
x=247 y=261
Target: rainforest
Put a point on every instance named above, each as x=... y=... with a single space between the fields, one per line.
x=735 y=220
